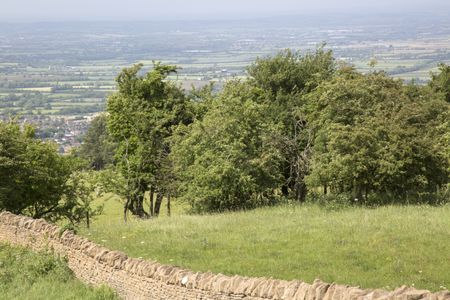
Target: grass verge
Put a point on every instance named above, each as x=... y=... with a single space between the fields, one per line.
x=27 y=275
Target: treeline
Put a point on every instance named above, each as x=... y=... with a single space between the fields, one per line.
x=302 y=127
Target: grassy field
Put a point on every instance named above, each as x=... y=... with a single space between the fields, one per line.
x=26 y=275
x=373 y=248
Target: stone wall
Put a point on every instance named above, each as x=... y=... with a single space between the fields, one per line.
x=140 y=279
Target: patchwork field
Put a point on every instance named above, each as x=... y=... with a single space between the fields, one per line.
x=42 y=65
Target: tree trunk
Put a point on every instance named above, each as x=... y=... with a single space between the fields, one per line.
x=287 y=180
x=125 y=209
x=300 y=191
x=325 y=189
x=159 y=198
x=168 y=204
x=285 y=190
x=152 y=196
x=136 y=203
x=358 y=195
x=366 y=193
x=88 y=224
x=140 y=206
x=303 y=192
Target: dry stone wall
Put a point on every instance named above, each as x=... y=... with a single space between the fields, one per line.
x=140 y=279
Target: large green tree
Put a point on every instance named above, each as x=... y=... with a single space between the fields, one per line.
x=375 y=136
x=142 y=115
x=227 y=159
x=286 y=79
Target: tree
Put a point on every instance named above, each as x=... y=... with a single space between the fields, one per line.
x=286 y=78
x=142 y=115
x=83 y=188
x=440 y=82
x=32 y=175
x=35 y=180
x=97 y=147
x=374 y=136
x=225 y=161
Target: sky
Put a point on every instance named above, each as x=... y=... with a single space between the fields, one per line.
x=146 y=10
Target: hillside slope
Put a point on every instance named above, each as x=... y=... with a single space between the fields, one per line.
x=375 y=248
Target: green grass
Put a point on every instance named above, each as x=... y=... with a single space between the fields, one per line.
x=374 y=248
x=26 y=275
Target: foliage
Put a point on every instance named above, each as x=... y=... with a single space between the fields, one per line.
x=33 y=176
x=440 y=82
x=36 y=181
x=83 y=188
x=291 y=72
x=142 y=114
x=286 y=78
x=373 y=135
x=97 y=147
x=26 y=275
x=318 y=128
x=226 y=161
x=299 y=124
x=251 y=146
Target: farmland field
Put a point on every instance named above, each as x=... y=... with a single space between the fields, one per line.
x=59 y=75
x=42 y=66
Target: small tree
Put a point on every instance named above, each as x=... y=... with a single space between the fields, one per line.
x=33 y=176
x=440 y=81
x=83 y=188
x=97 y=147
x=36 y=181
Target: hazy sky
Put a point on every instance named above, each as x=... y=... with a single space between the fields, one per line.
x=68 y=10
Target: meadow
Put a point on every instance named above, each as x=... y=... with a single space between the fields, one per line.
x=383 y=247
x=27 y=275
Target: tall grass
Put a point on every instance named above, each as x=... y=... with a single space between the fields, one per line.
x=26 y=275
x=374 y=248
